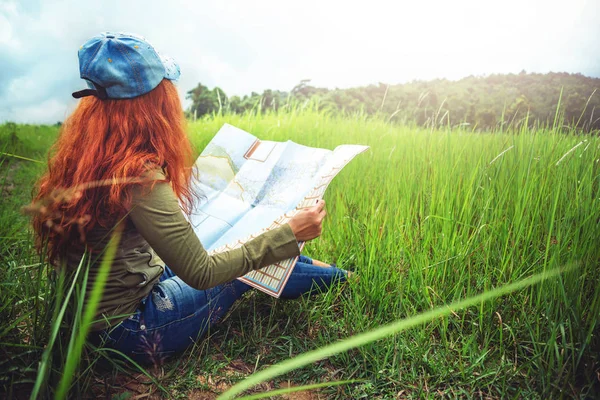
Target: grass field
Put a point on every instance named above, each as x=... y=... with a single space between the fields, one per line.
x=424 y=218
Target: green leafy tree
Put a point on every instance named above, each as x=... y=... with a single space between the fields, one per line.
x=206 y=101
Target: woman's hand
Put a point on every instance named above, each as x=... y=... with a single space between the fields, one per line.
x=307 y=224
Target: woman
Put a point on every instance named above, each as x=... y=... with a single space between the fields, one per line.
x=123 y=161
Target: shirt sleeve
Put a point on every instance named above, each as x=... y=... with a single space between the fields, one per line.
x=159 y=219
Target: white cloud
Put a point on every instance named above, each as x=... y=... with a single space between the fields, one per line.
x=6 y=34
x=48 y=111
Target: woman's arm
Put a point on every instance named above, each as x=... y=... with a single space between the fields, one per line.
x=157 y=216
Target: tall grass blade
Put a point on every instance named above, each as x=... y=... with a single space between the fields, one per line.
x=89 y=313
x=21 y=157
x=44 y=363
x=381 y=332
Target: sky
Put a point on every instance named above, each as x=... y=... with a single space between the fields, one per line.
x=244 y=46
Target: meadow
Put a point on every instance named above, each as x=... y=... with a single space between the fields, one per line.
x=425 y=218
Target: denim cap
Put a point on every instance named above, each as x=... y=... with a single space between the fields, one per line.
x=122 y=66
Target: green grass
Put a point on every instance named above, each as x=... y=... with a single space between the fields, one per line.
x=425 y=217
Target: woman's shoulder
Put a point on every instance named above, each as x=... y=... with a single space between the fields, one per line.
x=154 y=172
x=149 y=185
x=154 y=186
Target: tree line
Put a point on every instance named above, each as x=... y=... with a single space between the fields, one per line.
x=480 y=102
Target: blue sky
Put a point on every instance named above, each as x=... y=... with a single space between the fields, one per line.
x=245 y=46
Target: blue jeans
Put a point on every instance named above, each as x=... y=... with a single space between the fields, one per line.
x=174 y=314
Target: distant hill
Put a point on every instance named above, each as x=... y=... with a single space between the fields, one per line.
x=488 y=102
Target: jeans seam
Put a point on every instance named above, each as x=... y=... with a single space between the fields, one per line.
x=162 y=326
x=171 y=322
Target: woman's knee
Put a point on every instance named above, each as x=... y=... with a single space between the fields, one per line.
x=306 y=277
x=304 y=259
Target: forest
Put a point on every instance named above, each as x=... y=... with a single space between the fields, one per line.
x=482 y=103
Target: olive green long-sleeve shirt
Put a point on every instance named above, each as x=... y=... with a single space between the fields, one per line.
x=156 y=233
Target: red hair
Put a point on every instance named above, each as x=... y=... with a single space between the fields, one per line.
x=103 y=149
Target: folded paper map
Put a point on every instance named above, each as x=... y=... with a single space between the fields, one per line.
x=250 y=186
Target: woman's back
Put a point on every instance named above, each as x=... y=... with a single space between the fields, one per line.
x=133 y=272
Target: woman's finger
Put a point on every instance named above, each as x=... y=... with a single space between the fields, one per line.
x=320 y=205
x=323 y=214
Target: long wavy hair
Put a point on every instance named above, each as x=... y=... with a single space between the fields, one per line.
x=103 y=149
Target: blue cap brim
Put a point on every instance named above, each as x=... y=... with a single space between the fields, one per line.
x=172 y=71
